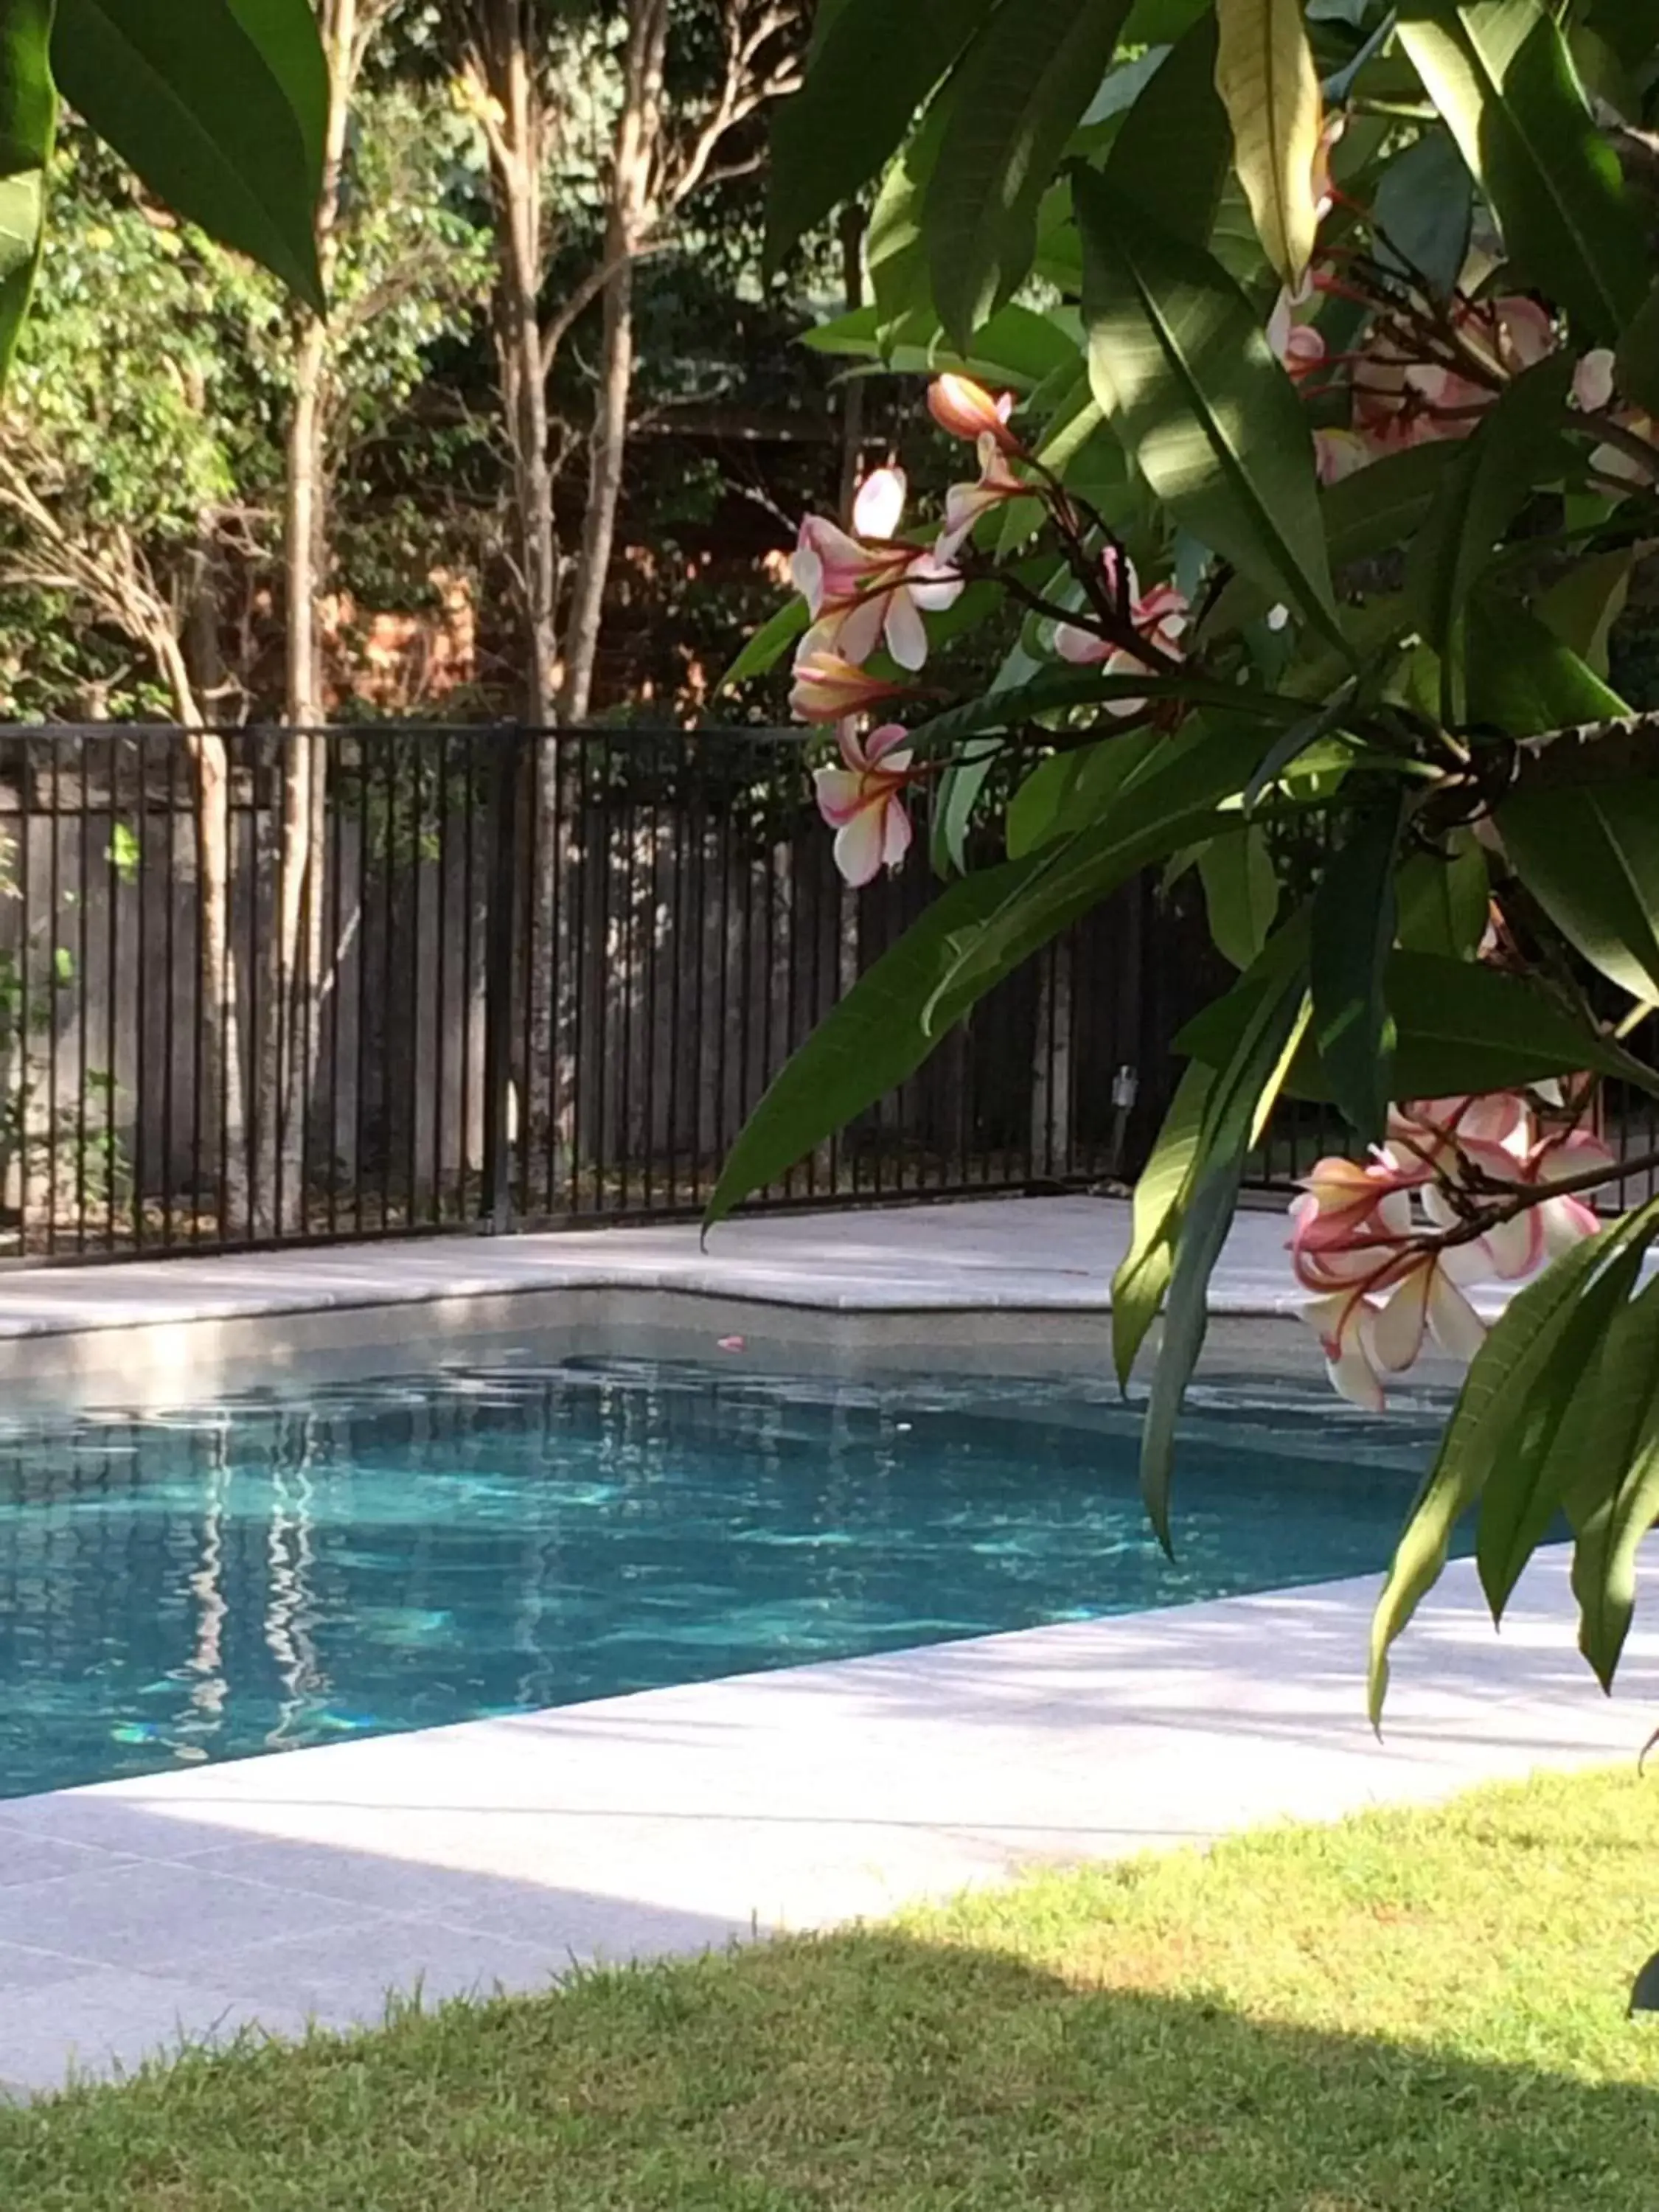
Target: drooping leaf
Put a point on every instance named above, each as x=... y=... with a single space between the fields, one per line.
x=1517 y=446
x=767 y=646
x=960 y=789
x=1523 y=679
x=1161 y=1188
x=1236 y=1103
x=1022 y=89
x=1266 y=76
x=1546 y=1455
x=1615 y=1460
x=1423 y=211
x=1445 y=902
x=1179 y=362
x=865 y=1046
x=1582 y=606
x=1491 y=1409
x=220 y=108
x=1169 y=803
x=1179 y=107
x=1241 y=892
x=1069 y=790
x=28 y=119
x=1590 y=857
x=873 y=67
x=1500 y=73
x=1353 y=931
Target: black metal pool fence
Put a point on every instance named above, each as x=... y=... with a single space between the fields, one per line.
x=263 y=985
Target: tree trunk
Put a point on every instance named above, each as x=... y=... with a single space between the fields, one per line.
x=222 y=1077
x=294 y=938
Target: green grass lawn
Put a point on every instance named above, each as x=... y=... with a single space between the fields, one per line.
x=1417 y=2011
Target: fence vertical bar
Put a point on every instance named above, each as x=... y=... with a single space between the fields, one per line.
x=499 y=910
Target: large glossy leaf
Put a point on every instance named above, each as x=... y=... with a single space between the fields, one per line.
x=1523 y=679
x=1152 y=814
x=1460 y=1027
x=1069 y=790
x=1236 y=1103
x=1369 y=513
x=1353 y=930
x=1445 y=900
x=1017 y=347
x=1491 y=1409
x=867 y=1044
x=1422 y=210
x=1517 y=446
x=28 y=115
x=1590 y=857
x=1179 y=362
x=1612 y=1451
x=220 y=106
x=1179 y=107
x=1023 y=88
x=872 y=66
x=1241 y=892
x=1266 y=76
x=1583 y=605
x=1576 y=1432
x=1160 y=1195
x=1059 y=688
x=1500 y=73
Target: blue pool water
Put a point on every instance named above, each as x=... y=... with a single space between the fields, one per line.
x=270 y=1572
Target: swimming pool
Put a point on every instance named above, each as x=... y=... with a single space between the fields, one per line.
x=273 y=1571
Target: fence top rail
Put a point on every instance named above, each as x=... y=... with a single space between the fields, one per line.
x=342 y=732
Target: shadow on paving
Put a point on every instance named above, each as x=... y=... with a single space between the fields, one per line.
x=865 y=2072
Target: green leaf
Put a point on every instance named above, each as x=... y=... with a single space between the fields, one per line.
x=767 y=646
x=1528 y=1482
x=1500 y=73
x=1158 y=1209
x=1516 y=445
x=1637 y=365
x=1423 y=211
x=1444 y=901
x=872 y=66
x=220 y=108
x=1180 y=105
x=867 y=1045
x=1590 y=857
x=958 y=794
x=1237 y=1104
x=1059 y=688
x=1153 y=815
x=1266 y=76
x=28 y=119
x=1466 y=1027
x=1017 y=347
x=1490 y=1411
x=1069 y=790
x=1611 y=1441
x=1181 y=364
x=1369 y=513
x=1523 y=680
x=1353 y=930
x=1582 y=606
x=1022 y=89
x=1241 y=892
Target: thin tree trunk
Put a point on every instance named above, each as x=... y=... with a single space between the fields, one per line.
x=293 y=941
x=217 y=1012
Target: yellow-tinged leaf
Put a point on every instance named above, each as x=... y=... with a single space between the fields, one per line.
x=1266 y=76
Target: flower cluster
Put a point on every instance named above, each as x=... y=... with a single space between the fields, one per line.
x=869 y=589
x=1458 y=1195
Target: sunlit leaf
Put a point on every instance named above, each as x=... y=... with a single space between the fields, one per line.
x=1022 y=89
x=1143 y=1275
x=1614 y=1467
x=1500 y=73
x=767 y=646
x=28 y=114
x=1181 y=365
x=1241 y=892
x=1266 y=76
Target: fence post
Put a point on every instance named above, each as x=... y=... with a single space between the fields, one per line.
x=501 y=918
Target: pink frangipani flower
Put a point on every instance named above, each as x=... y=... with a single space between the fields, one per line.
x=828 y=688
x=1159 y=616
x=862 y=801
x=967 y=409
x=862 y=589
x=964 y=503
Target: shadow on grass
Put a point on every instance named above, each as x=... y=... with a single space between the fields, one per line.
x=863 y=2072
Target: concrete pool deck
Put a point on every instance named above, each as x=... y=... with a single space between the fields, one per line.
x=308 y=1885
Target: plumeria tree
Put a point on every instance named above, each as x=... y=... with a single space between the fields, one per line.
x=1307 y=352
